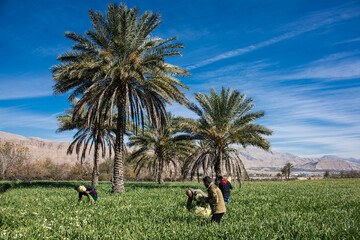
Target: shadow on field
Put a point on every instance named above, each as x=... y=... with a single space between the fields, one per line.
x=4 y=186
x=43 y=184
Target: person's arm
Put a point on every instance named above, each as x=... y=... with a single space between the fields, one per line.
x=221 y=186
x=230 y=185
x=80 y=196
x=188 y=204
x=202 y=193
x=90 y=190
x=213 y=197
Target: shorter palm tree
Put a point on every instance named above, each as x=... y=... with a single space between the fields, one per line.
x=98 y=134
x=224 y=120
x=203 y=160
x=286 y=170
x=158 y=148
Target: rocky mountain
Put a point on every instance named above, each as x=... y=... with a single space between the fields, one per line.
x=255 y=160
x=40 y=149
x=260 y=160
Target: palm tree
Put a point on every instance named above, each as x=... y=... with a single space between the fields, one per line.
x=286 y=170
x=119 y=68
x=161 y=147
x=204 y=161
x=225 y=120
x=98 y=134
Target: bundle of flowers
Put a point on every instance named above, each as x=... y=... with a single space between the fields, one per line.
x=206 y=212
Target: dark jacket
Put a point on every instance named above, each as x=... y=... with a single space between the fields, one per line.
x=89 y=189
x=225 y=187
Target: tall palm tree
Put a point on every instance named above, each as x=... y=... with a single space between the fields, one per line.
x=98 y=134
x=157 y=148
x=119 y=68
x=225 y=120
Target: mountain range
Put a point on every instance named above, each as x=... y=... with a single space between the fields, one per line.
x=255 y=160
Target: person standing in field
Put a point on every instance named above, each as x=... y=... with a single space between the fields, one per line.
x=225 y=187
x=88 y=191
x=216 y=200
x=196 y=195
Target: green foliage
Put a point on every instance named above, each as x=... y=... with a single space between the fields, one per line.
x=286 y=170
x=225 y=119
x=160 y=148
x=318 y=209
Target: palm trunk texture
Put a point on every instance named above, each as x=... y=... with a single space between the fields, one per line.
x=218 y=164
x=118 y=175
x=95 y=173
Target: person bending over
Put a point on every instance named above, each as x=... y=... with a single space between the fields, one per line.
x=195 y=195
x=88 y=191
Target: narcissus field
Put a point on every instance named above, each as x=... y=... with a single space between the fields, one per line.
x=318 y=209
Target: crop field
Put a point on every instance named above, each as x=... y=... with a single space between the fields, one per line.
x=318 y=209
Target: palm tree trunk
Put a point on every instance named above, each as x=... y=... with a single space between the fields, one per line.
x=218 y=163
x=118 y=175
x=160 y=172
x=175 y=172
x=95 y=173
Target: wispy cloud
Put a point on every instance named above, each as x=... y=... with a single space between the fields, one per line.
x=312 y=22
x=349 y=41
x=19 y=117
x=308 y=140
x=316 y=118
x=25 y=86
x=344 y=69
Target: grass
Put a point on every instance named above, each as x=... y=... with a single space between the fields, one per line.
x=318 y=209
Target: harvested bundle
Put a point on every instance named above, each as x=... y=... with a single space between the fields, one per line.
x=206 y=212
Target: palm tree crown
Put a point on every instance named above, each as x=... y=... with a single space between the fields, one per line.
x=225 y=120
x=118 y=67
x=160 y=147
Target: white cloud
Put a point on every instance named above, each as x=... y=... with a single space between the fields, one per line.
x=18 y=117
x=343 y=69
x=312 y=119
x=349 y=41
x=25 y=86
x=310 y=23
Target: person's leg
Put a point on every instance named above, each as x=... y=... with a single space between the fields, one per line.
x=95 y=198
x=217 y=217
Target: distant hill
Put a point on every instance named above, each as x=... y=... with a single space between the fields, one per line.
x=42 y=149
x=255 y=160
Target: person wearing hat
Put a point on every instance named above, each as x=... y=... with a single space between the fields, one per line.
x=88 y=191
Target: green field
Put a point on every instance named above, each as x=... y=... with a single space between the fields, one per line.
x=318 y=209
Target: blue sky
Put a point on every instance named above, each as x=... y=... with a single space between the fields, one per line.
x=298 y=60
